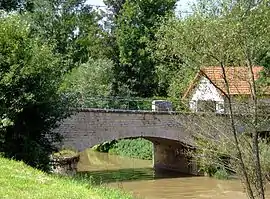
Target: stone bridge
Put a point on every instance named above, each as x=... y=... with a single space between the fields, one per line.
x=170 y=132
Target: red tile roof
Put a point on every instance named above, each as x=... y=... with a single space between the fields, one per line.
x=237 y=77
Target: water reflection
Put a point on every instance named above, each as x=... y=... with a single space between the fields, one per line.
x=138 y=177
x=108 y=168
x=94 y=161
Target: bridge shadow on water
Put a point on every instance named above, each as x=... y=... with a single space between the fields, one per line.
x=125 y=175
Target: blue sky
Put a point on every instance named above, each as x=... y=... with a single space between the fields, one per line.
x=183 y=5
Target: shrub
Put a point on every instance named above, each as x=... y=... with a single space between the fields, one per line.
x=31 y=106
x=135 y=148
x=221 y=174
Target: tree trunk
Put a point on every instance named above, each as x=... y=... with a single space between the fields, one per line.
x=255 y=133
x=239 y=153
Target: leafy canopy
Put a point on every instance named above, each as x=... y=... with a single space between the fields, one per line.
x=31 y=106
x=137 y=24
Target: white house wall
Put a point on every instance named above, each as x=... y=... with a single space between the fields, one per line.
x=205 y=91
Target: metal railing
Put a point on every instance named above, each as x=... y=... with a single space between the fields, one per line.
x=135 y=103
x=120 y=103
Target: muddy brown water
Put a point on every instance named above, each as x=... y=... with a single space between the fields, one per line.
x=138 y=177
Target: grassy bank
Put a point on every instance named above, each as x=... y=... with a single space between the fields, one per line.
x=135 y=148
x=21 y=181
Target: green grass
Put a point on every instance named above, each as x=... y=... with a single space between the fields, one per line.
x=135 y=148
x=18 y=180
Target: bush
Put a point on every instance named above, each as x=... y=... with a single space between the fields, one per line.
x=135 y=148
x=221 y=174
x=31 y=106
x=105 y=147
x=218 y=159
x=89 y=81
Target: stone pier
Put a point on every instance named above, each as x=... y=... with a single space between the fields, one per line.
x=172 y=155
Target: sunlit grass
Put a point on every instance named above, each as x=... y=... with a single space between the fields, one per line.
x=19 y=181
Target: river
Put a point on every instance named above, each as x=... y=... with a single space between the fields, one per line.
x=138 y=177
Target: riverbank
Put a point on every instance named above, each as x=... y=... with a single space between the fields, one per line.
x=21 y=181
x=135 y=148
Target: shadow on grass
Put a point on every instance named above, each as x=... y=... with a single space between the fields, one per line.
x=124 y=175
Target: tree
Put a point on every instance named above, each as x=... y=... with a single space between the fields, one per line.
x=115 y=6
x=136 y=27
x=14 y=5
x=89 y=82
x=73 y=26
x=169 y=58
x=225 y=33
x=31 y=105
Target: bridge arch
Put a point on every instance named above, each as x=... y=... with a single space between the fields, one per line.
x=169 y=131
x=89 y=127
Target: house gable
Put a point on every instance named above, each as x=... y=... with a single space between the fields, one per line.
x=206 y=91
x=237 y=77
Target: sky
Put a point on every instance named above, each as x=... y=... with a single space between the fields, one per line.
x=183 y=5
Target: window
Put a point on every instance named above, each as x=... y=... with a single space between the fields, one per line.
x=206 y=106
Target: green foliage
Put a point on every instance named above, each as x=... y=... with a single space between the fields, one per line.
x=136 y=27
x=177 y=61
x=217 y=33
x=173 y=70
x=73 y=27
x=219 y=159
x=92 y=86
x=27 y=182
x=207 y=156
x=104 y=147
x=31 y=105
x=92 y=79
x=226 y=33
x=115 y=5
x=221 y=174
x=16 y=5
x=178 y=81
x=135 y=148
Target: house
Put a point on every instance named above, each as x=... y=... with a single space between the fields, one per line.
x=208 y=92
